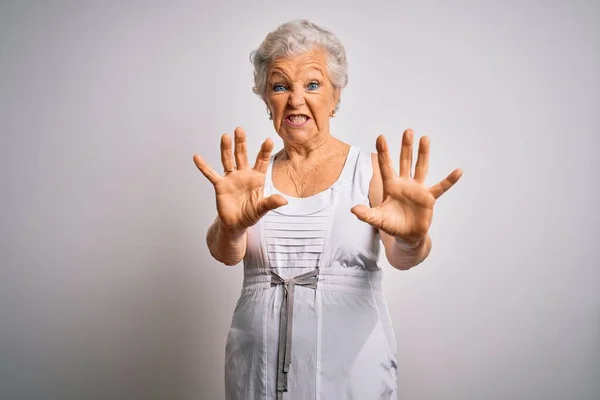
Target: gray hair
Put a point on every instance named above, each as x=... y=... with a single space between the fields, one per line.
x=293 y=38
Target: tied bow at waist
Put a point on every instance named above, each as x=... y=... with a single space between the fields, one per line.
x=286 y=318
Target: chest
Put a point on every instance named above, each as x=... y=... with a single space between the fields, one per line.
x=318 y=231
x=308 y=181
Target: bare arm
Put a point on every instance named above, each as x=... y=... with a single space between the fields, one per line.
x=239 y=195
x=226 y=245
x=401 y=204
x=401 y=255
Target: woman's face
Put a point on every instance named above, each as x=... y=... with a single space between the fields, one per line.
x=301 y=96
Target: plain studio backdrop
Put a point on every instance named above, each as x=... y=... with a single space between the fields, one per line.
x=107 y=289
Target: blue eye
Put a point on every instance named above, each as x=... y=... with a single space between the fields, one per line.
x=278 y=87
x=313 y=86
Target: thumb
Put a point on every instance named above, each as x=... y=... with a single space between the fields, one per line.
x=371 y=216
x=270 y=203
x=362 y=212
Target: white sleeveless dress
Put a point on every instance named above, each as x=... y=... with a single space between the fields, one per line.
x=311 y=321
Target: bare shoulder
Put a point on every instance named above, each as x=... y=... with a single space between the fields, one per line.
x=376 y=186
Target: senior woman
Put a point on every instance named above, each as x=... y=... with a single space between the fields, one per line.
x=311 y=321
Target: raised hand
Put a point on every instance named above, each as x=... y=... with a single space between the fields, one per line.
x=406 y=211
x=239 y=193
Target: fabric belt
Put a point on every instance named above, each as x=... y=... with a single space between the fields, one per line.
x=286 y=319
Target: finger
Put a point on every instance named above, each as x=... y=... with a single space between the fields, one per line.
x=241 y=155
x=406 y=154
x=270 y=203
x=264 y=156
x=385 y=161
x=226 y=156
x=371 y=216
x=422 y=166
x=445 y=185
x=208 y=172
x=361 y=211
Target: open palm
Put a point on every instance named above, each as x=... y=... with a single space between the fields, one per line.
x=406 y=211
x=239 y=194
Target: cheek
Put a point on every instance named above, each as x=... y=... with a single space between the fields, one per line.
x=277 y=103
x=322 y=107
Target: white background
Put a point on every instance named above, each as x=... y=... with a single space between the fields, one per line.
x=107 y=290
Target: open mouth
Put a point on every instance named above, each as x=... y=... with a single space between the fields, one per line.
x=296 y=119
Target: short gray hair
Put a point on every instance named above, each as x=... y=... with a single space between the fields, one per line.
x=293 y=38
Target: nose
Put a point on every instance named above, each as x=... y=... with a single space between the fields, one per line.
x=296 y=98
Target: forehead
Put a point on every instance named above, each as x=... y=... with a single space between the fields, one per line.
x=314 y=60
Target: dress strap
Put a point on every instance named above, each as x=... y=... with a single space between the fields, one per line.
x=349 y=165
x=269 y=176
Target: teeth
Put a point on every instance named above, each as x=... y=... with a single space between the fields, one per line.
x=298 y=119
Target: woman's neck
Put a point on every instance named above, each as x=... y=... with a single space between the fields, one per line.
x=309 y=153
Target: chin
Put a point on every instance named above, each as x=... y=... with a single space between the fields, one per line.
x=296 y=135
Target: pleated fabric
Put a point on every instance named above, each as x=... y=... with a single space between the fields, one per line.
x=311 y=321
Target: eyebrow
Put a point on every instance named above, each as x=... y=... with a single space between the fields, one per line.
x=309 y=72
